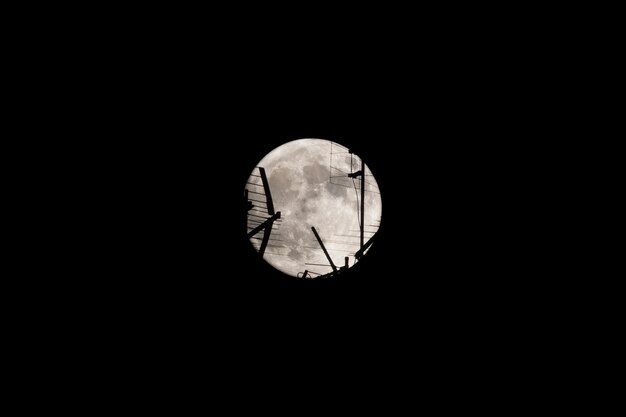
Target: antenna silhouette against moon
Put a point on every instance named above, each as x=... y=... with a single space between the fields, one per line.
x=266 y=225
x=314 y=208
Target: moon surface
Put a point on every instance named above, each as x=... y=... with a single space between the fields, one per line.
x=310 y=187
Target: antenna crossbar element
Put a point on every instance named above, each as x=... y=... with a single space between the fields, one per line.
x=268 y=194
x=266 y=225
x=361 y=173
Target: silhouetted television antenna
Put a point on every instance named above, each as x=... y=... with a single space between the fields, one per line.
x=261 y=216
x=360 y=175
x=335 y=270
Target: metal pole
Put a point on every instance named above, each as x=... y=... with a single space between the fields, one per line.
x=362 y=200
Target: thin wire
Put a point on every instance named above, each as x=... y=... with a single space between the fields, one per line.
x=341 y=185
x=255 y=226
x=372 y=191
x=351 y=186
x=339 y=170
x=342 y=243
x=339 y=250
x=340 y=146
x=373 y=185
x=271 y=238
x=260 y=214
x=329 y=249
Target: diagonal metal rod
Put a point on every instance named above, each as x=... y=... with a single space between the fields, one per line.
x=267 y=224
x=266 y=239
x=359 y=253
x=263 y=225
x=319 y=240
x=268 y=194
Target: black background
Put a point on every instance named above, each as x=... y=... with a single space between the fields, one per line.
x=454 y=129
x=453 y=150
x=458 y=113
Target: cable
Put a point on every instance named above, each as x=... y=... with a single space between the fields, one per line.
x=373 y=185
x=343 y=172
x=270 y=238
x=340 y=250
x=341 y=185
x=335 y=242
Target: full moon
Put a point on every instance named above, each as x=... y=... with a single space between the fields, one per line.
x=314 y=208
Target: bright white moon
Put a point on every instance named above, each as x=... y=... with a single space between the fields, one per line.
x=312 y=183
